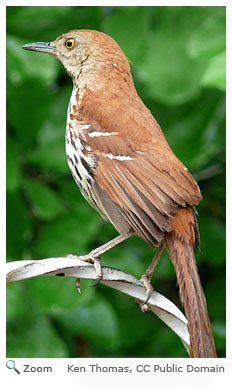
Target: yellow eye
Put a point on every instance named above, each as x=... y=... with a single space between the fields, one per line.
x=70 y=43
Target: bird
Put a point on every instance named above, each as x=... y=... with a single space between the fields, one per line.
x=120 y=159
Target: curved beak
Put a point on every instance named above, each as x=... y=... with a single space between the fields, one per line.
x=43 y=47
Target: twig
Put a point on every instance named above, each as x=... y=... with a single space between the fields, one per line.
x=114 y=278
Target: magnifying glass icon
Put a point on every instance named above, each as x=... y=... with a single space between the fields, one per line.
x=11 y=365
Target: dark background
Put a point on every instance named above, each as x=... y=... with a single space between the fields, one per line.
x=177 y=57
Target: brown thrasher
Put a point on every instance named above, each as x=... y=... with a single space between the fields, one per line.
x=124 y=167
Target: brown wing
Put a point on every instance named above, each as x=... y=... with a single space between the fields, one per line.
x=147 y=183
x=136 y=167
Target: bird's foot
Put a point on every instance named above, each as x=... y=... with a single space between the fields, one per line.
x=147 y=276
x=143 y=307
x=146 y=280
x=93 y=258
x=96 y=261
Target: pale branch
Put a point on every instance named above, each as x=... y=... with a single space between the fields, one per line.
x=114 y=278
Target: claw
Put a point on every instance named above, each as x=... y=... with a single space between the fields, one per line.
x=98 y=269
x=97 y=282
x=146 y=278
x=87 y=258
x=149 y=293
x=97 y=266
x=149 y=289
x=78 y=284
x=144 y=307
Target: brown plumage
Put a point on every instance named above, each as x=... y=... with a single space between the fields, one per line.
x=180 y=242
x=119 y=157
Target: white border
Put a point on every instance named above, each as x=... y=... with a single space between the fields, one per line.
x=62 y=379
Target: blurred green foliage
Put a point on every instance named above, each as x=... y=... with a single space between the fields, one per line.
x=177 y=57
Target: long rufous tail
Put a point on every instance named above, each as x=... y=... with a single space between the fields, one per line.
x=181 y=242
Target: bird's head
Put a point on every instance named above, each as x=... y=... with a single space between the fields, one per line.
x=88 y=51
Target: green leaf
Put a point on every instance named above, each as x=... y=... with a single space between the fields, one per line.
x=219 y=331
x=198 y=134
x=212 y=241
x=50 y=156
x=75 y=201
x=96 y=321
x=131 y=318
x=16 y=304
x=26 y=118
x=215 y=75
x=13 y=172
x=68 y=234
x=124 y=36
x=46 y=23
x=24 y=64
x=18 y=226
x=57 y=295
x=172 y=77
x=128 y=257
x=49 y=151
x=44 y=201
x=53 y=126
x=173 y=62
x=34 y=337
x=211 y=25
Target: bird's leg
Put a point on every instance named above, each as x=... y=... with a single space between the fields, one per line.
x=146 y=278
x=95 y=255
